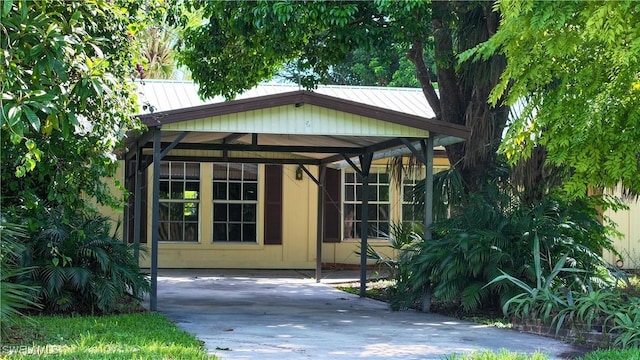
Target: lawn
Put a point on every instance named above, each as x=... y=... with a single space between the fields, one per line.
x=129 y=336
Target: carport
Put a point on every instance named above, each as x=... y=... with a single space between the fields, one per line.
x=300 y=127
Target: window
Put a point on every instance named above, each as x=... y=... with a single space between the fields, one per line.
x=379 y=205
x=410 y=213
x=235 y=202
x=179 y=201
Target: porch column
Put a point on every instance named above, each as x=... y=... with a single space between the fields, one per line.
x=365 y=163
x=428 y=193
x=137 y=207
x=155 y=219
x=320 y=222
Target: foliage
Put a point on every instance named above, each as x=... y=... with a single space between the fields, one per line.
x=127 y=336
x=66 y=102
x=545 y=298
x=402 y=238
x=245 y=42
x=14 y=297
x=627 y=325
x=79 y=267
x=494 y=234
x=576 y=64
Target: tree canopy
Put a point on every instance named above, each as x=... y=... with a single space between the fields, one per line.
x=576 y=66
x=244 y=42
x=66 y=98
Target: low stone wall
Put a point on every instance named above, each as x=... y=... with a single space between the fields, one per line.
x=580 y=334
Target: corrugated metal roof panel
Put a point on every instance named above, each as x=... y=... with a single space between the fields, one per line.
x=165 y=95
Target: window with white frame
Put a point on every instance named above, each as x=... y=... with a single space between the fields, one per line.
x=235 y=202
x=412 y=214
x=179 y=201
x=379 y=204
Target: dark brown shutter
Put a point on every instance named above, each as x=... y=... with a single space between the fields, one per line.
x=332 y=218
x=131 y=188
x=273 y=205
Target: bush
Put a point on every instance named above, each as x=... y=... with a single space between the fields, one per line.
x=14 y=297
x=79 y=267
x=493 y=234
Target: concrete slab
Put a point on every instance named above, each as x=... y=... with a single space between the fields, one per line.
x=287 y=315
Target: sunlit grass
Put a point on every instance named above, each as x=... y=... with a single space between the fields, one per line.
x=613 y=354
x=130 y=336
x=501 y=355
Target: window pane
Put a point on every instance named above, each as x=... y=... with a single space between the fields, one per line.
x=250 y=191
x=249 y=232
x=177 y=170
x=383 y=193
x=349 y=193
x=383 y=212
x=164 y=170
x=191 y=232
x=219 y=191
x=383 y=178
x=176 y=211
x=177 y=190
x=220 y=212
x=373 y=212
x=164 y=190
x=235 y=171
x=349 y=178
x=358 y=192
x=249 y=212
x=373 y=193
x=220 y=171
x=251 y=171
x=235 y=212
x=192 y=171
x=383 y=229
x=235 y=191
x=219 y=232
x=192 y=190
x=191 y=211
x=176 y=232
x=407 y=193
x=235 y=232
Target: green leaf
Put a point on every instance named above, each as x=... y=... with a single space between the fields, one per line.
x=34 y=120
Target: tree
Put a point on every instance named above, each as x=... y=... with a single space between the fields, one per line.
x=66 y=101
x=575 y=63
x=245 y=42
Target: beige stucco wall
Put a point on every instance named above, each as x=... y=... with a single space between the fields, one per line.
x=628 y=244
x=298 y=250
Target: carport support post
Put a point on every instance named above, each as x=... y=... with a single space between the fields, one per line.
x=320 y=222
x=155 y=219
x=365 y=163
x=427 y=147
x=137 y=207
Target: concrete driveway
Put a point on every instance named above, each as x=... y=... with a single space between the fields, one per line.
x=286 y=315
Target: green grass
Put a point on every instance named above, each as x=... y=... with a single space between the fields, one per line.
x=130 y=336
x=613 y=354
x=501 y=355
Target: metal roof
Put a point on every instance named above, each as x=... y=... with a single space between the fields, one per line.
x=281 y=123
x=166 y=95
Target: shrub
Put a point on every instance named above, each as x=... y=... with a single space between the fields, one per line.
x=493 y=234
x=79 y=267
x=14 y=297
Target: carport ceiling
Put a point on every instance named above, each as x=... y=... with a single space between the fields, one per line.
x=293 y=127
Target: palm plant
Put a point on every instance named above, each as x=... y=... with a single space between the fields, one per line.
x=80 y=267
x=14 y=297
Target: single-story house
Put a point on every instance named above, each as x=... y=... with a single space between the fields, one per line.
x=278 y=178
